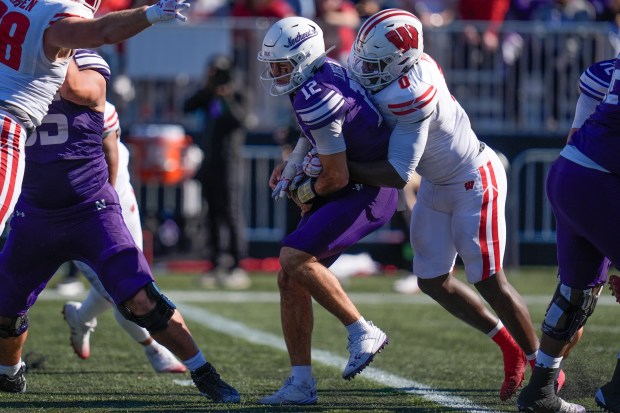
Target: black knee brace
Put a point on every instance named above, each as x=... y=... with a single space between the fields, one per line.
x=157 y=319
x=13 y=326
x=568 y=311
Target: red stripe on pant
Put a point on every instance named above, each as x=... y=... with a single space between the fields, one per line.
x=9 y=148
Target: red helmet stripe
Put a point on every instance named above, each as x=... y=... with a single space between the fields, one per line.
x=373 y=21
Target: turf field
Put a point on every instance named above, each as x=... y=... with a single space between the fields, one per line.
x=434 y=363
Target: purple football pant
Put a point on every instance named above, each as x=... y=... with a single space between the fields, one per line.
x=585 y=204
x=338 y=222
x=92 y=232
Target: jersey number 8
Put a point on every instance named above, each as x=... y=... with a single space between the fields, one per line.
x=13 y=28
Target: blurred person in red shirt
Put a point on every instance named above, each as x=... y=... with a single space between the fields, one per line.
x=339 y=20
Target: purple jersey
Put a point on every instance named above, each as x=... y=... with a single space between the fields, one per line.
x=599 y=137
x=329 y=95
x=594 y=81
x=65 y=163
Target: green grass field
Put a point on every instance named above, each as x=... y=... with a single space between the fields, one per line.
x=434 y=363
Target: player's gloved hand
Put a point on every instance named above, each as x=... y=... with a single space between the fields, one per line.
x=165 y=10
x=614 y=286
x=289 y=176
x=312 y=164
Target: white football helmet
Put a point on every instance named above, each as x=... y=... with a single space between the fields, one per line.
x=298 y=41
x=387 y=45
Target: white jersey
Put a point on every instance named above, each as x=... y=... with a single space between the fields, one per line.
x=28 y=79
x=421 y=110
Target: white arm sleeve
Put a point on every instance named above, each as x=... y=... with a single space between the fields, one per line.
x=301 y=149
x=329 y=139
x=585 y=107
x=407 y=144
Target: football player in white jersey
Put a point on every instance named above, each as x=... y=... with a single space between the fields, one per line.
x=38 y=38
x=82 y=317
x=461 y=200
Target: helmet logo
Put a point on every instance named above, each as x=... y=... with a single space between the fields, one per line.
x=404 y=37
x=295 y=42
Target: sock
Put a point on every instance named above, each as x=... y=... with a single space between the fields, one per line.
x=531 y=358
x=357 y=328
x=153 y=347
x=136 y=332
x=194 y=363
x=546 y=361
x=301 y=374
x=502 y=337
x=11 y=371
x=94 y=305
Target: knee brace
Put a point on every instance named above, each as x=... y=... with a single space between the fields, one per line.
x=569 y=310
x=13 y=326
x=157 y=319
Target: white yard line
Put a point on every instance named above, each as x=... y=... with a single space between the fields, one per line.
x=239 y=330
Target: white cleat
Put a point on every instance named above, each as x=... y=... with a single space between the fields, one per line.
x=292 y=394
x=163 y=361
x=362 y=350
x=80 y=332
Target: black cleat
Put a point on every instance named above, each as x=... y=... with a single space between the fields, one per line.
x=15 y=384
x=608 y=398
x=211 y=385
x=539 y=395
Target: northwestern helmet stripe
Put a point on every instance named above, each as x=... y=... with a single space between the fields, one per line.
x=379 y=17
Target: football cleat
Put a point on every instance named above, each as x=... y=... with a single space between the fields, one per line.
x=209 y=383
x=163 y=361
x=362 y=349
x=559 y=381
x=80 y=331
x=515 y=364
x=292 y=393
x=539 y=395
x=608 y=398
x=14 y=384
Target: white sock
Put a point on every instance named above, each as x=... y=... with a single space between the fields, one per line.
x=301 y=374
x=94 y=305
x=136 y=332
x=153 y=347
x=194 y=363
x=358 y=327
x=11 y=371
x=498 y=327
x=546 y=361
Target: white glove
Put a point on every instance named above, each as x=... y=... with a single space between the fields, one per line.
x=312 y=164
x=291 y=176
x=165 y=10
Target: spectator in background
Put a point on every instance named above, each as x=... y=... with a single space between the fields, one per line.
x=339 y=20
x=485 y=38
x=566 y=52
x=221 y=172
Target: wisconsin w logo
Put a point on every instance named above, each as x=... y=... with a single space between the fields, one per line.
x=469 y=185
x=404 y=37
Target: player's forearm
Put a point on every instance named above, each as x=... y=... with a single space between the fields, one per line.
x=376 y=173
x=118 y=26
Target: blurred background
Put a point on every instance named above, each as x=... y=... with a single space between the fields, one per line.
x=514 y=65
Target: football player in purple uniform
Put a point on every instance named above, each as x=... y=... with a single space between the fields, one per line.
x=583 y=187
x=68 y=210
x=38 y=40
x=338 y=122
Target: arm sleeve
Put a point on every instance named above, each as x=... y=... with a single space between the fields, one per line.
x=329 y=139
x=407 y=144
x=584 y=108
